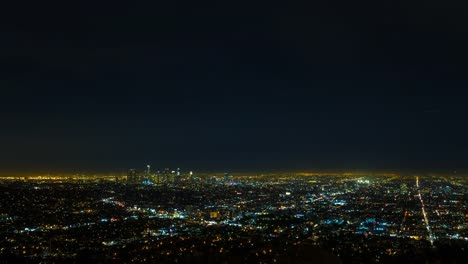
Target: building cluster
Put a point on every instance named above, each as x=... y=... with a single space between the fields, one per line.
x=170 y=176
x=157 y=177
x=175 y=216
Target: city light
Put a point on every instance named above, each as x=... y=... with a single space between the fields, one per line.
x=183 y=215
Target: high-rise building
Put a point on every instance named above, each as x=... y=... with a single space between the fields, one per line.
x=132 y=176
x=177 y=176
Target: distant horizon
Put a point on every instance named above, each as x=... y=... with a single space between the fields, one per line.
x=122 y=172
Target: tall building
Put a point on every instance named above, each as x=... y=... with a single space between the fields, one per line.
x=132 y=176
x=148 y=170
x=177 y=176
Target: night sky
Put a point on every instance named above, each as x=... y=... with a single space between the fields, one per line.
x=363 y=85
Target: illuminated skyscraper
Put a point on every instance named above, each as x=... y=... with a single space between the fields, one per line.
x=132 y=176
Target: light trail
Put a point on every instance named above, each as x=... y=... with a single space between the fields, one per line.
x=426 y=219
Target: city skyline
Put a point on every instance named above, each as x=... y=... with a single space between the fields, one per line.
x=175 y=131
x=124 y=171
x=197 y=218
